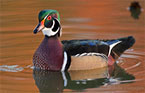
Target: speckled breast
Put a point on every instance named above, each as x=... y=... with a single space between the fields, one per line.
x=49 y=55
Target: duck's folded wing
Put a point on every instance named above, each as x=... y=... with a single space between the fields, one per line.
x=124 y=44
x=114 y=47
x=75 y=47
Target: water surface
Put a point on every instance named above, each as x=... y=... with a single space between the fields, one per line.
x=80 y=19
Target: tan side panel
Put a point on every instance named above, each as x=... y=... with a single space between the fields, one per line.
x=87 y=63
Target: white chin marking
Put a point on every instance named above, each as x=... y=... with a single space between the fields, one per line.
x=49 y=32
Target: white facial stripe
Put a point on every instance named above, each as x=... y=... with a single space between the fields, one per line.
x=49 y=32
x=60 y=27
x=57 y=20
x=57 y=29
x=53 y=22
x=46 y=16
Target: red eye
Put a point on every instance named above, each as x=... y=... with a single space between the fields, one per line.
x=49 y=17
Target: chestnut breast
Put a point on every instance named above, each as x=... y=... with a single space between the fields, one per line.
x=49 y=55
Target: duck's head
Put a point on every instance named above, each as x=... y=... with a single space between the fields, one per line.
x=49 y=23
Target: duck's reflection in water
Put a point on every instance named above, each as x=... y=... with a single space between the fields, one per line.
x=49 y=81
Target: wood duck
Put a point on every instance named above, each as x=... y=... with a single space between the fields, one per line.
x=56 y=55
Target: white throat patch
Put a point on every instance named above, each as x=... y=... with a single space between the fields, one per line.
x=49 y=32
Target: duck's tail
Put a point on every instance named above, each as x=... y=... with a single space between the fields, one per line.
x=118 y=46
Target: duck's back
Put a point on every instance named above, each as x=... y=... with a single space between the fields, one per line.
x=107 y=47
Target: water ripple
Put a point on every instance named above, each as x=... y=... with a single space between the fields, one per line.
x=12 y=68
x=134 y=66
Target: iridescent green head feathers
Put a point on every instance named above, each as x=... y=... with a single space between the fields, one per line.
x=44 y=13
x=49 y=23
